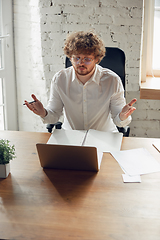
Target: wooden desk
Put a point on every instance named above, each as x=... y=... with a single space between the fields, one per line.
x=74 y=205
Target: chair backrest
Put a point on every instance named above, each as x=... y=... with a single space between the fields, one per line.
x=114 y=60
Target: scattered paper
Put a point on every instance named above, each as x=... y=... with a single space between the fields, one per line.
x=136 y=161
x=129 y=179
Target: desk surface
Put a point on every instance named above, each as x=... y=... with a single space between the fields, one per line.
x=71 y=205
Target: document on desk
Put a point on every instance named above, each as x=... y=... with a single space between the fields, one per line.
x=67 y=137
x=131 y=179
x=103 y=141
x=136 y=161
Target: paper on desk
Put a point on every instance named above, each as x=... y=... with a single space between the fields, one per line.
x=104 y=141
x=136 y=161
x=99 y=156
x=67 y=137
x=131 y=179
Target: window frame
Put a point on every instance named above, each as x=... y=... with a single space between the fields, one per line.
x=7 y=73
x=149 y=83
x=147 y=39
x=156 y=72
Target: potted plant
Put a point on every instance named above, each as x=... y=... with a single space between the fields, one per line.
x=7 y=153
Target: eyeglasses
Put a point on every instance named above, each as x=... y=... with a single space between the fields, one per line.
x=78 y=60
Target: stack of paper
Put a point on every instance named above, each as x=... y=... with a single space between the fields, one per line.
x=136 y=162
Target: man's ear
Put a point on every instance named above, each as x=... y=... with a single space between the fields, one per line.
x=97 y=60
x=71 y=60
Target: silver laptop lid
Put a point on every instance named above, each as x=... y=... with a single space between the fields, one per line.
x=68 y=157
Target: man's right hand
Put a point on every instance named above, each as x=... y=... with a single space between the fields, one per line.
x=36 y=107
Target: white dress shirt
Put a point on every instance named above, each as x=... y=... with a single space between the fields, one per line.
x=94 y=105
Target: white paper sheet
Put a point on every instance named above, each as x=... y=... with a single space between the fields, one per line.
x=136 y=161
x=131 y=179
x=67 y=137
x=99 y=156
x=104 y=141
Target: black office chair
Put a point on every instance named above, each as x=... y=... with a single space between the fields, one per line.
x=50 y=126
x=114 y=60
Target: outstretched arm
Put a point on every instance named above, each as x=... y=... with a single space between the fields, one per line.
x=36 y=107
x=127 y=110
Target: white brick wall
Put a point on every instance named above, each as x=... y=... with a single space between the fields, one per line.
x=146 y=119
x=41 y=27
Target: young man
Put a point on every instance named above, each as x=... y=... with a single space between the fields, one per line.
x=91 y=97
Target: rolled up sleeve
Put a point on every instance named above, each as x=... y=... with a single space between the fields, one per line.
x=117 y=103
x=55 y=105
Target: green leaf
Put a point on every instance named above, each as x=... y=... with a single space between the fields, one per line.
x=7 y=151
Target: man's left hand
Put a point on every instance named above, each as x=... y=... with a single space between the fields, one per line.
x=127 y=110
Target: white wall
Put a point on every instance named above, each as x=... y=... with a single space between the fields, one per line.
x=40 y=29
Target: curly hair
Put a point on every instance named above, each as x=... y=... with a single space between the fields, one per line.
x=84 y=43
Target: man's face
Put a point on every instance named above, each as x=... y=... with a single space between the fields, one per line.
x=83 y=63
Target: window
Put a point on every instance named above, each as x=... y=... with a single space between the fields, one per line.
x=2 y=125
x=8 y=105
x=156 y=40
x=150 y=64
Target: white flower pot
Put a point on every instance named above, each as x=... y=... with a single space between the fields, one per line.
x=4 y=170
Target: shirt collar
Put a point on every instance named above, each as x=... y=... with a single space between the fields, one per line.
x=95 y=78
x=73 y=74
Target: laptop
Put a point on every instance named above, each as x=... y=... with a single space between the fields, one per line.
x=68 y=157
